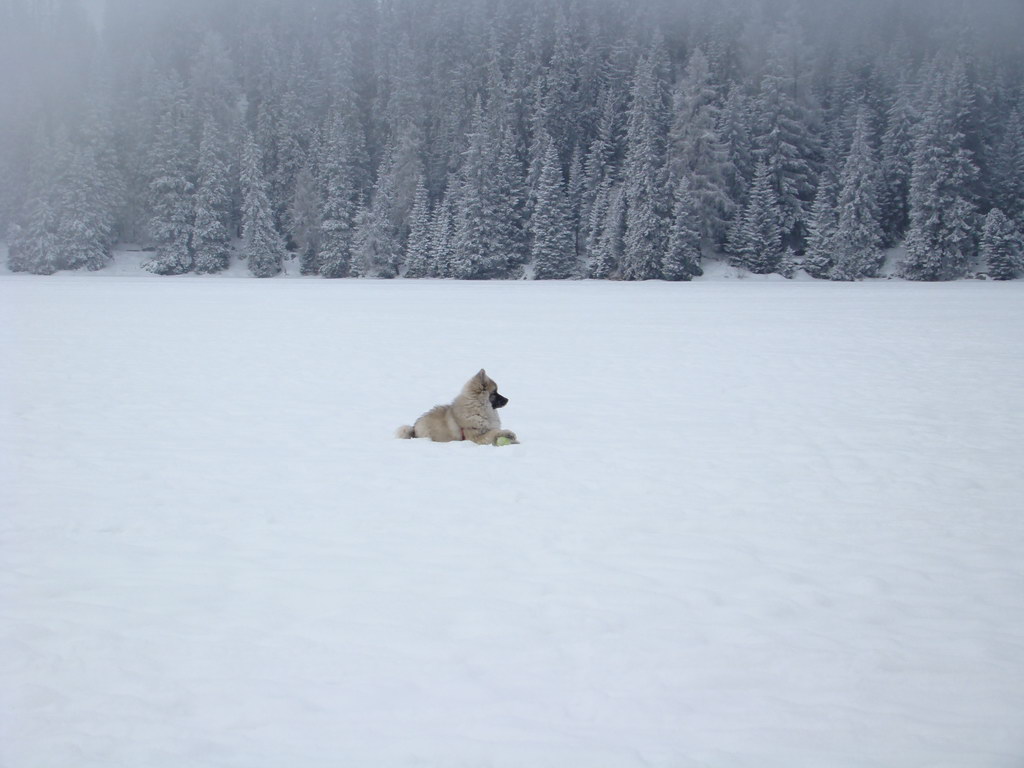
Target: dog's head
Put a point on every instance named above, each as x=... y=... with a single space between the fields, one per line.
x=484 y=386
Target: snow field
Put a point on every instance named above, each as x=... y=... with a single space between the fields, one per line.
x=751 y=523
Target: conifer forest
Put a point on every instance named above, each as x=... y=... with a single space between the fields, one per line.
x=503 y=139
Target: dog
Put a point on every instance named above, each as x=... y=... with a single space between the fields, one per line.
x=472 y=415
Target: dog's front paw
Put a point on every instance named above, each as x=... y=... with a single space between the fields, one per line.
x=509 y=435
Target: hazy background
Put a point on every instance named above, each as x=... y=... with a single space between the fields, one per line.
x=131 y=86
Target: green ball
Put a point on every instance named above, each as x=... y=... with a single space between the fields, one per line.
x=503 y=441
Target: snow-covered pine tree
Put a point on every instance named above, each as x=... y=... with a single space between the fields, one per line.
x=682 y=260
x=897 y=154
x=563 y=107
x=417 y=249
x=83 y=225
x=554 y=250
x=171 y=182
x=489 y=197
x=696 y=150
x=537 y=149
x=470 y=242
x=819 y=256
x=403 y=78
x=645 y=175
x=264 y=248
x=508 y=196
x=575 y=191
x=304 y=220
x=609 y=245
x=734 y=131
x=785 y=136
x=442 y=236
x=941 y=238
x=404 y=172
x=1008 y=167
x=756 y=238
x=107 y=183
x=348 y=121
x=211 y=239
x=789 y=263
x=594 y=225
x=286 y=149
x=338 y=168
x=1002 y=247
x=858 y=236
x=377 y=248
x=33 y=240
x=605 y=150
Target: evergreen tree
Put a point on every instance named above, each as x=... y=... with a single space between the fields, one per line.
x=785 y=136
x=442 y=237
x=563 y=107
x=646 y=176
x=697 y=151
x=339 y=194
x=789 y=263
x=554 y=251
x=33 y=241
x=304 y=218
x=605 y=151
x=264 y=248
x=607 y=251
x=575 y=192
x=682 y=260
x=858 y=237
x=1008 y=168
x=819 y=257
x=211 y=239
x=508 y=199
x=286 y=136
x=332 y=89
x=488 y=202
x=1002 y=247
x=377 y=248
x=106 y=181
x=171 y=185
x=897 y=153
x=756 y=239
x=83 y=226
x=594 y=225
x=940 y=241
x=734 y=131
x=417 y=254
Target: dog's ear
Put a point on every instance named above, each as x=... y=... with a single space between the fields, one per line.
x=478 y=382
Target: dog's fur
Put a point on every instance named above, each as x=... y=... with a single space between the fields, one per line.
x=471 y=416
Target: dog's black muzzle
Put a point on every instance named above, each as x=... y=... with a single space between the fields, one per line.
x=497 y=401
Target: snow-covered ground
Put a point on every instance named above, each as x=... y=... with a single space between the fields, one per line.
x=751 y=524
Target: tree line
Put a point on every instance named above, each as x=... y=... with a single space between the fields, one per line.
x=498 y=139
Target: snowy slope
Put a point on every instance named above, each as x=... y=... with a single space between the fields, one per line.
x=751 y=523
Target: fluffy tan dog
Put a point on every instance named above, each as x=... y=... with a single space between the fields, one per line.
x=472 y=415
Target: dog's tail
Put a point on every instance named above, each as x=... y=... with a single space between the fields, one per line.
x=405 y=432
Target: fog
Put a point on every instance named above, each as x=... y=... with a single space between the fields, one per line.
x=406 y=78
